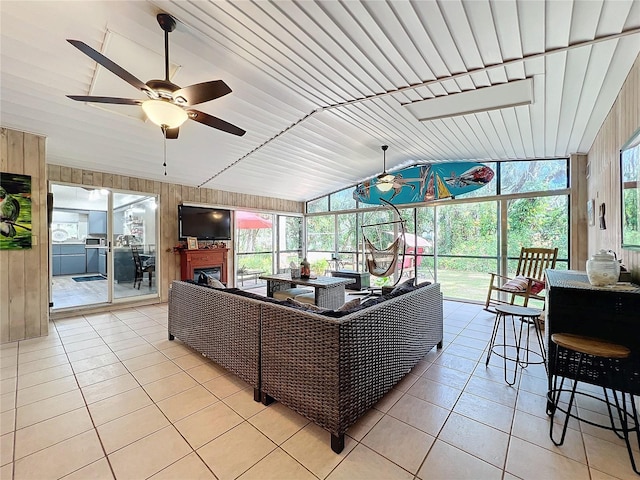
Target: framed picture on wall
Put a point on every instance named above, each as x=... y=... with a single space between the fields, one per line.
x=192 y=243
x=591 y=212
x=15 y=213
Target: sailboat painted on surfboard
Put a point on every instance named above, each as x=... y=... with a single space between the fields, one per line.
x=423 y=183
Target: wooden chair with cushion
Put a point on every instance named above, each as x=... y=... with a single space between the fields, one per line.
x=528 y=282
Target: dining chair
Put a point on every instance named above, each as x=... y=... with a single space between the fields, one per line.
x=141 y=269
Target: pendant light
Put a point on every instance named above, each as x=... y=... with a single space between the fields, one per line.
x=385 y=180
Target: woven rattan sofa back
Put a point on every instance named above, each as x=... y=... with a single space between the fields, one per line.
x=333 y=370
x=222 y=326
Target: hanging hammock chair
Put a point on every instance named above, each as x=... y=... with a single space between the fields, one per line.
x=383 y=261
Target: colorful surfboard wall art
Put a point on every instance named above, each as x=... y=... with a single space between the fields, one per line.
x=427 y=182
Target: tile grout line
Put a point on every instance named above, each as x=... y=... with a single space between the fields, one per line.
x=86 y=405
x=151 y=399
x=436 y=437
x=530 y=385
x=156 y=405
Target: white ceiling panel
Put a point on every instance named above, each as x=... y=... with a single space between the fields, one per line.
x=318 y=85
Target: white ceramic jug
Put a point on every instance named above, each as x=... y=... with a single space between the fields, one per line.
x=603 y=269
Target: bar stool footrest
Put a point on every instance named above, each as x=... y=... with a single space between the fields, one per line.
x=629 y=417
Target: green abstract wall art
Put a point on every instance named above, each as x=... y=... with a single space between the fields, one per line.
x=15 y=211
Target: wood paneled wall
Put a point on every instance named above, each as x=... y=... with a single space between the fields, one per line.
x=579 y=223
x=604 y=168
x=24 y=286
x=171 y=195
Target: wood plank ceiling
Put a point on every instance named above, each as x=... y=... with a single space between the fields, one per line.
x=318 y=85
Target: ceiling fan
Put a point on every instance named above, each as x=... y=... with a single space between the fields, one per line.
x=167 y=105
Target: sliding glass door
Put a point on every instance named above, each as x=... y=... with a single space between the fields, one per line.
x=133 y=245
x=78 y=243
x=102 y=246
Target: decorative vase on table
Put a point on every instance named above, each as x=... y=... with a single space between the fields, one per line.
x=305 y=268
x=603 y=269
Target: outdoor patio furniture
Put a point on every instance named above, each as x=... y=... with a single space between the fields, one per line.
x=330 y=367
x=528 y=281
x=248 y=274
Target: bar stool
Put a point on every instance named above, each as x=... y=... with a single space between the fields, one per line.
x=528 y=317
x=597 y=362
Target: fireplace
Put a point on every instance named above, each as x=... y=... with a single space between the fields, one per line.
x=212 y=272
x=210 y=261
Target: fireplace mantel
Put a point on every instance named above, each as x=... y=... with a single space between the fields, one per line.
x=191 y=260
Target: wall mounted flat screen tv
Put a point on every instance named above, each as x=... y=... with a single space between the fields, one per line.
x=204 y=223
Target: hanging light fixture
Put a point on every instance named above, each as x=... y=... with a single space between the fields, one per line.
x=384 y=180
x=164 y=113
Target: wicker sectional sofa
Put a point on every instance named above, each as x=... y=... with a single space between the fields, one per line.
x=220 y=325
x=328 y=367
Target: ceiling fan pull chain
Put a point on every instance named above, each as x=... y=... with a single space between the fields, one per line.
x=164 y=140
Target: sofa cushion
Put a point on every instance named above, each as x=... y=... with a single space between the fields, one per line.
x=404 y=287
x=214 y=282
x=304 y=305
x=519 y=284
x=246 y=294
x=309 y=298
x=348 y=309
x=350 y=305
x=290 y=293
x=537 y=286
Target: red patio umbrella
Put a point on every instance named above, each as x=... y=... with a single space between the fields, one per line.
x=414 y=240
x=250 y=220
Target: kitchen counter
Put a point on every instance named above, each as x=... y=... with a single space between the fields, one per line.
x=69 y=258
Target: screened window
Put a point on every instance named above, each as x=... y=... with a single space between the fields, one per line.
x=289 y=241
x=321 y=233
x=457 y=242
x=533 y=176
x=318 y=205
x=342 y=200
x=254 y=245
x=467 y=248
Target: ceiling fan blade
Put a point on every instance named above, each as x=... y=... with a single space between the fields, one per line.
x=109 y=65
x=214 y=122
x=201 y=92
x=115 y=100
x=171 y=133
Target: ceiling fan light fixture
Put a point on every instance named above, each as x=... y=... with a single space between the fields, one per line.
x=385 y=180
x=164 y=113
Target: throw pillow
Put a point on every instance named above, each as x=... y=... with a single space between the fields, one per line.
x=214 y=282
x=404 y=287
x=305 y=306
x=518 y=284
x=349 y=305
x=537 y=286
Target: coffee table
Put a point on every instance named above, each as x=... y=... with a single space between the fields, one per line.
x=329 y=291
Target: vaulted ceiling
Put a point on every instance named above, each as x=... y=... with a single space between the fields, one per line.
x=319 y=86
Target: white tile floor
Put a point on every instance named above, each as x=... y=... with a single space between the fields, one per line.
x=108 y=396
